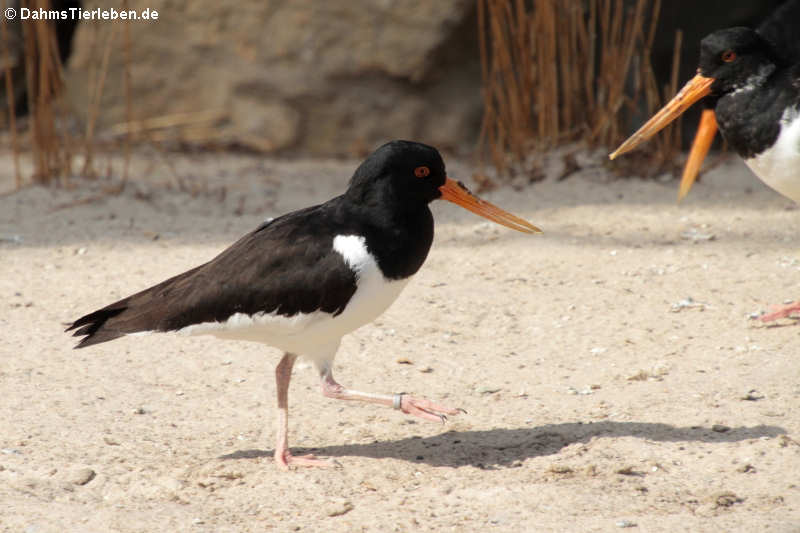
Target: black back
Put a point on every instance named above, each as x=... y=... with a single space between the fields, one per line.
x=782 y=30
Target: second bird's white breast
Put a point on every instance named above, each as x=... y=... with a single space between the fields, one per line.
x=779 y=165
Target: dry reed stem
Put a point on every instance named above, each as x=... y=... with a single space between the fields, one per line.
x=168 y=121
x=94 y=103
x=44 y=83
x=12 y=112
x=128 y=95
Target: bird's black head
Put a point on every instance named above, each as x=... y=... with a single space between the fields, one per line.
x=403 y=177
x=734 y=58
x=404 y=171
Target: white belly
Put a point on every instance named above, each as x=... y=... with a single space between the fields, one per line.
x=316 y=334
x=779 y=166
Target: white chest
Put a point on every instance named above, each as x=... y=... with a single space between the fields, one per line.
x=779 y=166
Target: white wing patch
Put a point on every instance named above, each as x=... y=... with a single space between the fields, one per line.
x=353 y=248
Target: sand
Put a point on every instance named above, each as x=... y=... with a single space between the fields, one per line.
x=611 y=372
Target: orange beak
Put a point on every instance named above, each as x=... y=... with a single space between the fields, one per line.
x=702 y=142
x=697 y=88
x=456 y=192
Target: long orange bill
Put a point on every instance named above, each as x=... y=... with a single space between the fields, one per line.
x=694 y=90
x=702 y=142
x=455 y=191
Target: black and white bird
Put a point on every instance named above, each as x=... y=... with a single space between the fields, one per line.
x=301 y=281
x=749 y=81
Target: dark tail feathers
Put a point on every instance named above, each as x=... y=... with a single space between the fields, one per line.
x=92 y=325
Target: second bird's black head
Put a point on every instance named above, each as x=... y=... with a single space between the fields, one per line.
x=735 y=57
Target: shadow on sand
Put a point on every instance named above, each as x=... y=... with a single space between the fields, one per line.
x=501 y=447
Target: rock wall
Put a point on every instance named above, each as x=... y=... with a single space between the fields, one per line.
x=309 y=76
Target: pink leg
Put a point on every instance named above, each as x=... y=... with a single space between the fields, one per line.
x=781 y=312
x=283 y=457
x=408 y=404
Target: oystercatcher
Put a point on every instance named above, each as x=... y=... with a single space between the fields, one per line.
x=301 y=281
x=749 y=81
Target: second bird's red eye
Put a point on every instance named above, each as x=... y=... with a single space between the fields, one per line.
x=422 y=172
x=728 y=56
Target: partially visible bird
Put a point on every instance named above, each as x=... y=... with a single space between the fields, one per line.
x=303 y=280
x=749 y=81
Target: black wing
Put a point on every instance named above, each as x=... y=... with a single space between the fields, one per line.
x=286 y=266
x=782 y=29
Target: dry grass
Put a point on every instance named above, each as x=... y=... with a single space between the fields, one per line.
x=12 y=104
x=44 y=79
x=52 y=144
x=559 y=71
x=56 y=140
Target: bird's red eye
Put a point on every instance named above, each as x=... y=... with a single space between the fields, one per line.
x=422 y=172
x=728 y=56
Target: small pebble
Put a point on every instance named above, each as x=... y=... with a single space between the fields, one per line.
x=695 y=236
x=687 y=303
x=752 y=396
x=82 y=476
x=625 y=523
x=719 y=428
x=725 y=498
x=339 y=507
x=641 y=375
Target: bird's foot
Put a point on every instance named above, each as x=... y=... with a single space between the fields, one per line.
x=781 y=312
x=285 y=460
x=424 y=408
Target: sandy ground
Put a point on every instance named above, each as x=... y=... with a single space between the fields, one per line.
x=610 y=370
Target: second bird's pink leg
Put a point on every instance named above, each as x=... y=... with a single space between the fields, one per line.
x=781 y=312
